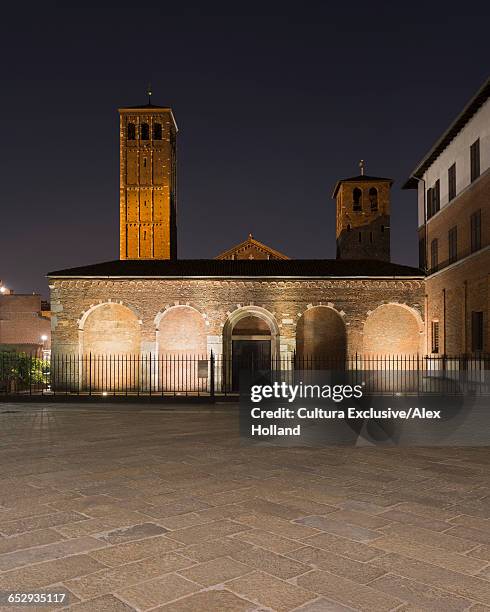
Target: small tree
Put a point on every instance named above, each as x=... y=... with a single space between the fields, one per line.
x=19 y=371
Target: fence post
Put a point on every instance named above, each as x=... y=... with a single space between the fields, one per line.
x=211 y=376
x=150 y=373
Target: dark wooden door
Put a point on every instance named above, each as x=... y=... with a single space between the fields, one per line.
x=250 y=355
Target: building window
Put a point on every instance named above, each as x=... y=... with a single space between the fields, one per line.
x=475 y=231
x=348 y=227
x=477 y=331
x=145 y=131
x=382 y=228
x=357 y=199
x=453 y=244
x=475 y=160
x=437 y=196
x=428 y=206
x=435 y=336
x=157 y=131
x=451 y=177
x=434 y=255
x=360 y=237
x=434 y=199
x=131 y=131
x=371 y=237
x=373 y=198
x=422 y=254
x=144 y=162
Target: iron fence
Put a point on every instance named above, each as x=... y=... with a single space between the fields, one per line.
x=215 y=376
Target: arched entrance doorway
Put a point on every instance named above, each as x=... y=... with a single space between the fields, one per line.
x=250 y=342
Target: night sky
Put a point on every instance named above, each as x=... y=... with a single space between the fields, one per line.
x=272 y=110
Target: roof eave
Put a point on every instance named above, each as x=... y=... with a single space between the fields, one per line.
x=471 y=108
x=242 y=276
x=146 y=109
x=353 y=180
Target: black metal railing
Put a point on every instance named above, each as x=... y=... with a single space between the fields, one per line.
x=216 y=375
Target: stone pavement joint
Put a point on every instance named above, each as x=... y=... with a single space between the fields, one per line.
x=133 y=508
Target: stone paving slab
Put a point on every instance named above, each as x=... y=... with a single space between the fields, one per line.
x=141 y=509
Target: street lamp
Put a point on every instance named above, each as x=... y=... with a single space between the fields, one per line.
x=3 y=289
x=46 y=352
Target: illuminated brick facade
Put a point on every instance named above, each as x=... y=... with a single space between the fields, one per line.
x=148 y=206
x=203 y=313
x=363 y=218
x=22 y=324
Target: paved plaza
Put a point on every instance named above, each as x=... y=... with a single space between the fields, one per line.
x=158 y=507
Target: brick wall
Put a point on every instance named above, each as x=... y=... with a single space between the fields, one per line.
x=21 y=322
x=147 y=187
x=452 y=295
x=283 y=301
x=321 y=332
x=365 y=233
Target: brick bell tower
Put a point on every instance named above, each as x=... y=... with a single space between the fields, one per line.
x=148 y=159
x=363 y=217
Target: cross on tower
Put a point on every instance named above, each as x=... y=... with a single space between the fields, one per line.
x=361 y=166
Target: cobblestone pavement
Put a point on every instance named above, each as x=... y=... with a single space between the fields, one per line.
x=159 y=508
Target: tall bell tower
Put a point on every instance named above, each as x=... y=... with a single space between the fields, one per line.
x=363 y=217
x=148 y=191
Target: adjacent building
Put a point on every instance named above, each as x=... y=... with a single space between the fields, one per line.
x=453 y=185
x=24 y=322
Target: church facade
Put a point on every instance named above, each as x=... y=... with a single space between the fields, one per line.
x=249 y=298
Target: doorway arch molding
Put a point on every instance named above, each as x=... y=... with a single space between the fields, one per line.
x=251 y=311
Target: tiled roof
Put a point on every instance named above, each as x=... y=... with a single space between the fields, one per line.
x=299 y=268
x=359 y=179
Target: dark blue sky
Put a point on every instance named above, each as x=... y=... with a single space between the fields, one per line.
x=272 y=110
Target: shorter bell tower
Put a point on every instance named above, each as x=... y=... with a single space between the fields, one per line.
x=363 y=217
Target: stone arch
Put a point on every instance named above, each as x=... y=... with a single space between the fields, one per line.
x=321 y=335
x=181 y=330
x=393 y=329
x=86 y=313
x=110 y=348
x=182 y=363
x=110 y=328
x=246 y=312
